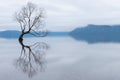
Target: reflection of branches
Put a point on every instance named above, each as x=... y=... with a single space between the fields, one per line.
x=32 y=59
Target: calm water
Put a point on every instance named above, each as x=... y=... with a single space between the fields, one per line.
x=59 y=59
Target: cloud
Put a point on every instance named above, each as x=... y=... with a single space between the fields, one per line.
x=65 y=14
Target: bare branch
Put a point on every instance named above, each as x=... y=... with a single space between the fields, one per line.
x=41 y=33
x=30 y=17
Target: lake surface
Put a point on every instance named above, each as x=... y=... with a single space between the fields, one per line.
x=59 y=58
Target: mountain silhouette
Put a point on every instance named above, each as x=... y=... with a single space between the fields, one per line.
x=97 y=33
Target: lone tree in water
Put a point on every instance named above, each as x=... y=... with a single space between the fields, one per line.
x=30 y=19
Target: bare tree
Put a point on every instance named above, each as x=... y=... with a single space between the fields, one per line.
x=30 y=19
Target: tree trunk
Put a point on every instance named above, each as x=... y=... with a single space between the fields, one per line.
x=21 y=37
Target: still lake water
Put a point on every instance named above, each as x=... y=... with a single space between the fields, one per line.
x=61 y=58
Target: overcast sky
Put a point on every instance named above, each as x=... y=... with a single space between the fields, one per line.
x=64 y=15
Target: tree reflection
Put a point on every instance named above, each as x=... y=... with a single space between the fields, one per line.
x=32 y=58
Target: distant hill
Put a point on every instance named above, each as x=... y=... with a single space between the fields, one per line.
x=97 y=33
x=58 y=34
x=10 y=34
x=15 y=34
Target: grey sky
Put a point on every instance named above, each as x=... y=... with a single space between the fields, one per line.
x=64 y=15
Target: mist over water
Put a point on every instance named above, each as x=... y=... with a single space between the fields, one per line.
x=64 y=59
